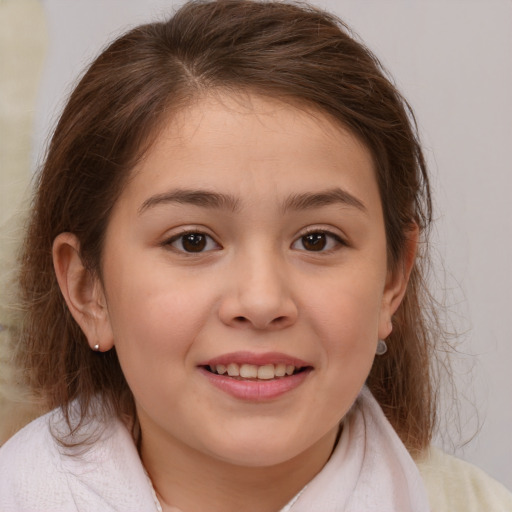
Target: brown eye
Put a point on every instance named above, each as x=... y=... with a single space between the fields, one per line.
x=193 y=242
x=317 y=241
x=314 y=241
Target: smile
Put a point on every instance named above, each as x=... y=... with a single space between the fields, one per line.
x=252 y=371
x=255 y=377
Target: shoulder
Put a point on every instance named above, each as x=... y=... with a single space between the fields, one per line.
x=30 y=469
x=455 y=485
x=99 y=470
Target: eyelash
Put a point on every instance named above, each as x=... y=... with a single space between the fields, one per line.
x=181 y=237
x=207 y=239
x=338 y=240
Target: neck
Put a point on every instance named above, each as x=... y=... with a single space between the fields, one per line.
x=194 y=482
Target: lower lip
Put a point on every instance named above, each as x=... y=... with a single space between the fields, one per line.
x=256 y=390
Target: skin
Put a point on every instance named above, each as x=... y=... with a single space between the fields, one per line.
x=256 y=287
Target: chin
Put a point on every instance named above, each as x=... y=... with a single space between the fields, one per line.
x=255 y=458
x=258 y=451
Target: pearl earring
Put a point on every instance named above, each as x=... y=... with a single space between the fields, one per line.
x=382 y=348
x=96 y=348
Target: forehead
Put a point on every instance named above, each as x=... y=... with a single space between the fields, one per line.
x=238 y=141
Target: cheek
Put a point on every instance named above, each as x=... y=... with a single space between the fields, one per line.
x=154 y=313
x=153 y=335
x=348 y=326
x=346 y=320
x=348 y=310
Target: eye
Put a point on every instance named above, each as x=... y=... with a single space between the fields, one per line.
x=317 y=241
x=193 y=242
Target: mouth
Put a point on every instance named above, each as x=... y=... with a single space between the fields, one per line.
x=246 y=371
x=256 y=377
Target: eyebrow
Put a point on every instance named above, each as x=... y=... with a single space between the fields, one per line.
x=309 y=201
x=203 y=198
x=216 y=200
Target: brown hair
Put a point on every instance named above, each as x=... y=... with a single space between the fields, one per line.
x=294 y=52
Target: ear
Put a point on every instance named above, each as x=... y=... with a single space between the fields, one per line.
x=396 y=282
x=82 y=291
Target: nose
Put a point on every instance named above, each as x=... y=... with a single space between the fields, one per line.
x=259 y=296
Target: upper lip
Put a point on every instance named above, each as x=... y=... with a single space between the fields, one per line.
x=262 y=359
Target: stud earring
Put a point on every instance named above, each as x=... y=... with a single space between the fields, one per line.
x=96 y=348
x=382 y=348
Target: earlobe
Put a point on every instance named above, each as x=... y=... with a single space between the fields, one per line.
x=396 y=282
x=82 y=292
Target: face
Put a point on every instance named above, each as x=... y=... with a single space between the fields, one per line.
x=245 y=280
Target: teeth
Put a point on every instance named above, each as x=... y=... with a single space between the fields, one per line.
x=252 y=371
x=233 y=370
x=248 y=371
x=280 y=370
x=220 y=369
x=266 y=372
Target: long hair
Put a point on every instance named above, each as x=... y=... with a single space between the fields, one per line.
x=288 y=51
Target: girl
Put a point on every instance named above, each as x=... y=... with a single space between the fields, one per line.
x=222 y=280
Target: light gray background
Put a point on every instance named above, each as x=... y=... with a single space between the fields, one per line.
x=453 y=61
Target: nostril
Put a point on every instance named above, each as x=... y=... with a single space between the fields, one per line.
x=275 y=322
